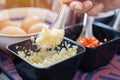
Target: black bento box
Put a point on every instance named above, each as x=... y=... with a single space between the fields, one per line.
x=64 y=70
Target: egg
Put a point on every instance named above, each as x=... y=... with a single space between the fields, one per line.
x=12 y=30
x=29 y=21
x=5 y=23
x=36 y=27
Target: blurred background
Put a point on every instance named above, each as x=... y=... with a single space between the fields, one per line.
x=25 y=3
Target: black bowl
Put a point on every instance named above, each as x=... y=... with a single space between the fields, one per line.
x=74 y=31
x=101 y=55
x=64 y=70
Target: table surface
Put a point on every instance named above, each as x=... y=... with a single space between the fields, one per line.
x=108 y=72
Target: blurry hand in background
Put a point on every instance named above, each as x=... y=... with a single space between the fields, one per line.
x=92 y=7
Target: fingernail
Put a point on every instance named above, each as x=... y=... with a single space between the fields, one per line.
x=78 y=7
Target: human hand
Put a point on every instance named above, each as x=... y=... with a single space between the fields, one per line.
x=92 y=7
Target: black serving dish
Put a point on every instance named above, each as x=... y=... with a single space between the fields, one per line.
x=73 y=31
x=64 y=70
x=101 y=55
x=116 y=25
x=107 y=18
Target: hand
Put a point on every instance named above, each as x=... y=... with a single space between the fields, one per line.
x=92 y=7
